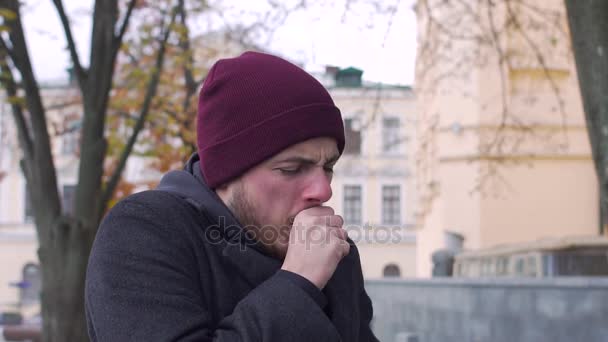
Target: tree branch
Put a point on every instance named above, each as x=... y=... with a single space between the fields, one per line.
x=95 y=94
x=498 y=137
x=447 y=31
x=150 y=93
x=20 y=58
x=541 y=60
x=123 y=27
x=180 y=132
x=80 y=73
x=8 y=82
x=40 y=167
x=544 y=12
x=184 y=44
x=391 y=17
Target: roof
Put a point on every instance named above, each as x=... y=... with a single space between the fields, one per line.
x=350 y=70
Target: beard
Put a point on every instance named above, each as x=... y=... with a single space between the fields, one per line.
x=274 y=238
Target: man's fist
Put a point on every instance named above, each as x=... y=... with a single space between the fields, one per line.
x=317 y=243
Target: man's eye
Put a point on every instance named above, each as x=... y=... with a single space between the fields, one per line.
x=329 y=170
x=289 y=171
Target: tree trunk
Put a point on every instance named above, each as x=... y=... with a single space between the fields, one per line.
x=65 y=253
x=63 y=266
x=589 y=32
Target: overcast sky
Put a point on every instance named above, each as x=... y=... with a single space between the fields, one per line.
x=314 y=37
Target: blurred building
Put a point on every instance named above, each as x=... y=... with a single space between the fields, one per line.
x=502 y=152
x=373 y=183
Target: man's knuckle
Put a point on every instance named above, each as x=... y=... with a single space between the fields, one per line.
x=340 y=220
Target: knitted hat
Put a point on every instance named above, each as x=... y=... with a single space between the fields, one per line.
x=253 y=106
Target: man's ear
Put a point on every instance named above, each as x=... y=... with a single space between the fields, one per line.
x=222 y=187
x=224 y=191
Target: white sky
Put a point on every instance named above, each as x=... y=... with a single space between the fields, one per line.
x=316 y=37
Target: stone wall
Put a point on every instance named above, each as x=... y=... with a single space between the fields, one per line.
x=493 y=310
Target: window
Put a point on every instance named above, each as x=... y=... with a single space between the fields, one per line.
x=352 y=204
x=391 y=204
x=502 y=266
x=391 y=271
x=30 y=284
x=67 y=199
x=390 y=135
x=352 y=137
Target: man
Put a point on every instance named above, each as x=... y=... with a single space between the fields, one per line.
x=238 y=246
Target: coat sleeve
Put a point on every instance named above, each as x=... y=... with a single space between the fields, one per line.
x=365 y=305
x=366 y=334
x=143 y=284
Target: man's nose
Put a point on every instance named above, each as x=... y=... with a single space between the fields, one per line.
x=318 y=190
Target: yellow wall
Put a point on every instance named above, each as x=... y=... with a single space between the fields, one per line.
x=497 y=158
x=374 y=257
x=548 y=198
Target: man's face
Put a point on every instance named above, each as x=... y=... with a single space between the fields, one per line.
x=266 y=198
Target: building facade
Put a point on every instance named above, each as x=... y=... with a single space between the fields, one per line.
x=373 y=183
x=502 y=151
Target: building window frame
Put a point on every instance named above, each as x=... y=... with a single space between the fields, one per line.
x=391 y=206
x=391 y=135
x=353 y=137
x=353 y=211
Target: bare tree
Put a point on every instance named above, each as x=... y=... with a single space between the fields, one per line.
x=65 y=239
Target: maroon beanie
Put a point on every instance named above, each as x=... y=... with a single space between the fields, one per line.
x=253 y=106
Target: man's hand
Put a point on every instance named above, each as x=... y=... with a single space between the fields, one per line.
x=317 y=243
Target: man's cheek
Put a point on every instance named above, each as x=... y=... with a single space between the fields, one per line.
x=284 y=234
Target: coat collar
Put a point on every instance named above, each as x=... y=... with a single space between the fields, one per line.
x=247 y=254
